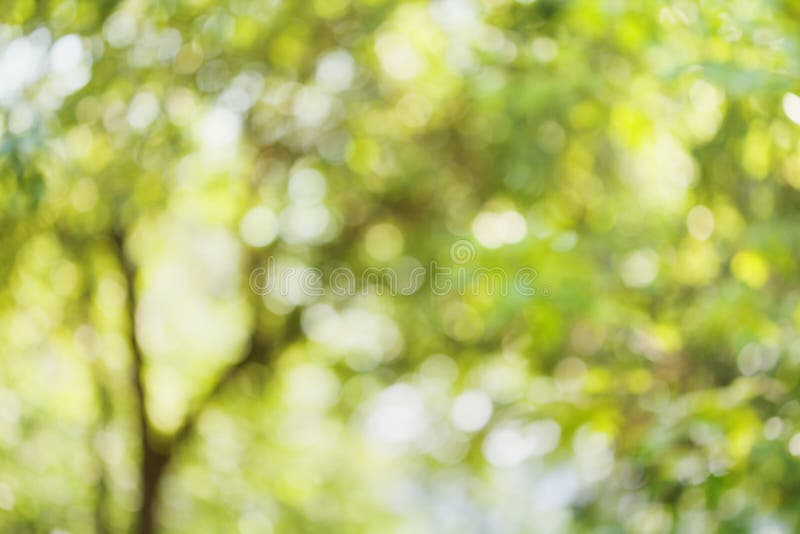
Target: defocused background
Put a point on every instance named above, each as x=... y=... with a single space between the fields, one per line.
x=641 y=157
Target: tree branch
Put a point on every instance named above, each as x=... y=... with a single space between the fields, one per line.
x=259 y=351
x=138 y=359
x=157 y=455
x=153 y=460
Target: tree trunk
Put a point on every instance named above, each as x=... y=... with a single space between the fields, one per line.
x=153 y=464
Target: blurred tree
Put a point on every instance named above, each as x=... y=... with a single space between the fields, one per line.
x=640 y=160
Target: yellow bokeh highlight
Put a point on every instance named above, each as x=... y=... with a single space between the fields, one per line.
x=749 y=267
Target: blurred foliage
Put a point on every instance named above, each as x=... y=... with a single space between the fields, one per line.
x=642 y=157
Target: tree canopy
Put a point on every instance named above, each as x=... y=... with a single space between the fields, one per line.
x=358 y=266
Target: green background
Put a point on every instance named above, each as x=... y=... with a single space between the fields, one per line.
x=642 y=157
